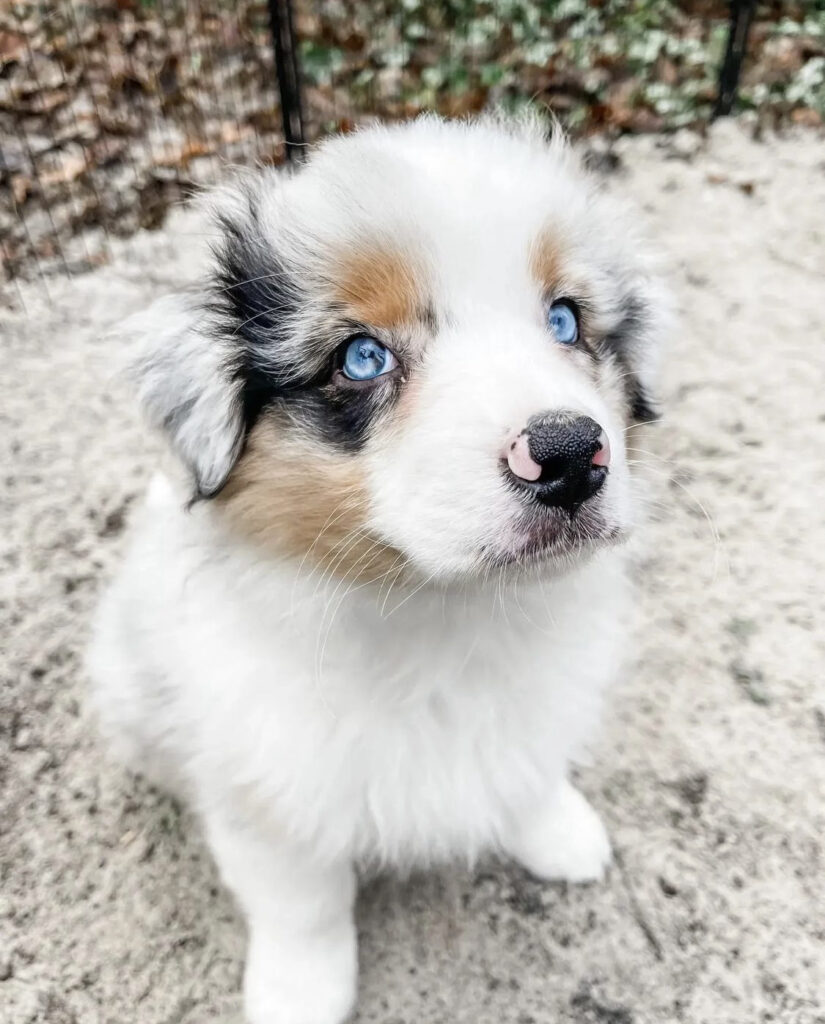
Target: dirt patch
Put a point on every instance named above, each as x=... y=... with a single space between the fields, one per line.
x=110 y=909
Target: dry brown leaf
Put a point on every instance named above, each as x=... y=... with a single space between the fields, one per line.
x=12 y=45
x=69 y=169
x=21 y=186
x=807 y=117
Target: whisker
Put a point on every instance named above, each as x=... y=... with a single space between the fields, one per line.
x=412 y=593
x=343 y=508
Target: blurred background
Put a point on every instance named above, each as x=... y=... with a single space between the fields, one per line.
x=112 y=111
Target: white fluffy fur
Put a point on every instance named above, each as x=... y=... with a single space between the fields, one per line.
x=318 y=726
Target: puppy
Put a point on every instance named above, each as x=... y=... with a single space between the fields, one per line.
x=368 y=619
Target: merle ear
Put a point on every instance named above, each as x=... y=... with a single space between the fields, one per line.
x=632 y=344
x=209 y=361
x=189 y=386
x=635 y=343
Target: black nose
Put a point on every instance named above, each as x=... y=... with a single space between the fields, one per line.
x=565 y=447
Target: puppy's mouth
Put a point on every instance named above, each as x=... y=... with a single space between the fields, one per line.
x=553 y=536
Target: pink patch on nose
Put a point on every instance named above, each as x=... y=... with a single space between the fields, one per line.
x=602 y=456
x=520 y=461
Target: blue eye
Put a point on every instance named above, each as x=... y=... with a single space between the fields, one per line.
x=563 y=323
x=366 y=358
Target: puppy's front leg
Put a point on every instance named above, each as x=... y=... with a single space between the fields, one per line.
x=564 y=838
x=301 y=963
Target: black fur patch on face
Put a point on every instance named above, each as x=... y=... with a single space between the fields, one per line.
x=341 y=416
x=642 y=408
x=256 y=299
x=623 y=344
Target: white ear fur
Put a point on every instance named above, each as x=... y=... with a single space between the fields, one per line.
x=189 y=387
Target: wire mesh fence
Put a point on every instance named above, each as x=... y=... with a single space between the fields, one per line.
x=109 y=112
x=113 y=110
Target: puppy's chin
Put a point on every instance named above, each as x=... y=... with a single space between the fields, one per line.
x=553 y=539
x=548 y=542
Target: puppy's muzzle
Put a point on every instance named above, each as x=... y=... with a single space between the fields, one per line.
x=561 y=459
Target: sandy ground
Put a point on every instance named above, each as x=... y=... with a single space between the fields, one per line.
x=711 y=771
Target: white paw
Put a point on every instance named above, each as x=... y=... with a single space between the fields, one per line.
x=565 y=840
x=300 y=982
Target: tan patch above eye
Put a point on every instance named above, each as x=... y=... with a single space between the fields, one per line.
x=547 y=261
x=379 y=287
x=297 y=499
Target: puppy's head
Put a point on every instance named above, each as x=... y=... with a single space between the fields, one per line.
x=423 y=351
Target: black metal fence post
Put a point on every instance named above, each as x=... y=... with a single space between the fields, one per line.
x=287 y=69
x=741 y=18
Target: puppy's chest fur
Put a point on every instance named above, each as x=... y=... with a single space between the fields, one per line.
x=400 y=730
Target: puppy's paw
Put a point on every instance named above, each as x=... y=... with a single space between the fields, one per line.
x=565 y=841
x=295 y=981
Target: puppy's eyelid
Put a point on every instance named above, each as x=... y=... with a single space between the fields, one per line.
x=341 y=382
x=576 y=301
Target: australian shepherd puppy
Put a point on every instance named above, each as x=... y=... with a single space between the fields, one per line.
x=368 y=618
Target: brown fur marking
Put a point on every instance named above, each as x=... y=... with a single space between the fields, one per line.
x=297 y=499
x=379 y=287
x=547 y=261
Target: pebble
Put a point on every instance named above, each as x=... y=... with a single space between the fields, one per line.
x=22 y=739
